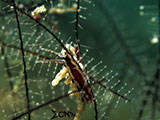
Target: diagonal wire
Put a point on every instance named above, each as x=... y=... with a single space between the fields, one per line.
x=43 y=26
x=54 y=100
x=45 y=104
x=39 y=23
x=24 y=63
x=77 y=22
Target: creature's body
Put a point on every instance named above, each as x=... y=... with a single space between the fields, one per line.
x=76 y=77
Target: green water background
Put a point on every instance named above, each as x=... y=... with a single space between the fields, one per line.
x=118 y=47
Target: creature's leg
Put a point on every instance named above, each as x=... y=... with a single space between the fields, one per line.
x=69 y=80
x=59 y=76
x=80 y=108
x=51 y=52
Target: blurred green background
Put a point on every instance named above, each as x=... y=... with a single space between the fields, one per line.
x=119 y=33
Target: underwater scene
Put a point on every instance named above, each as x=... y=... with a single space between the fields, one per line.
x=79 y=59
